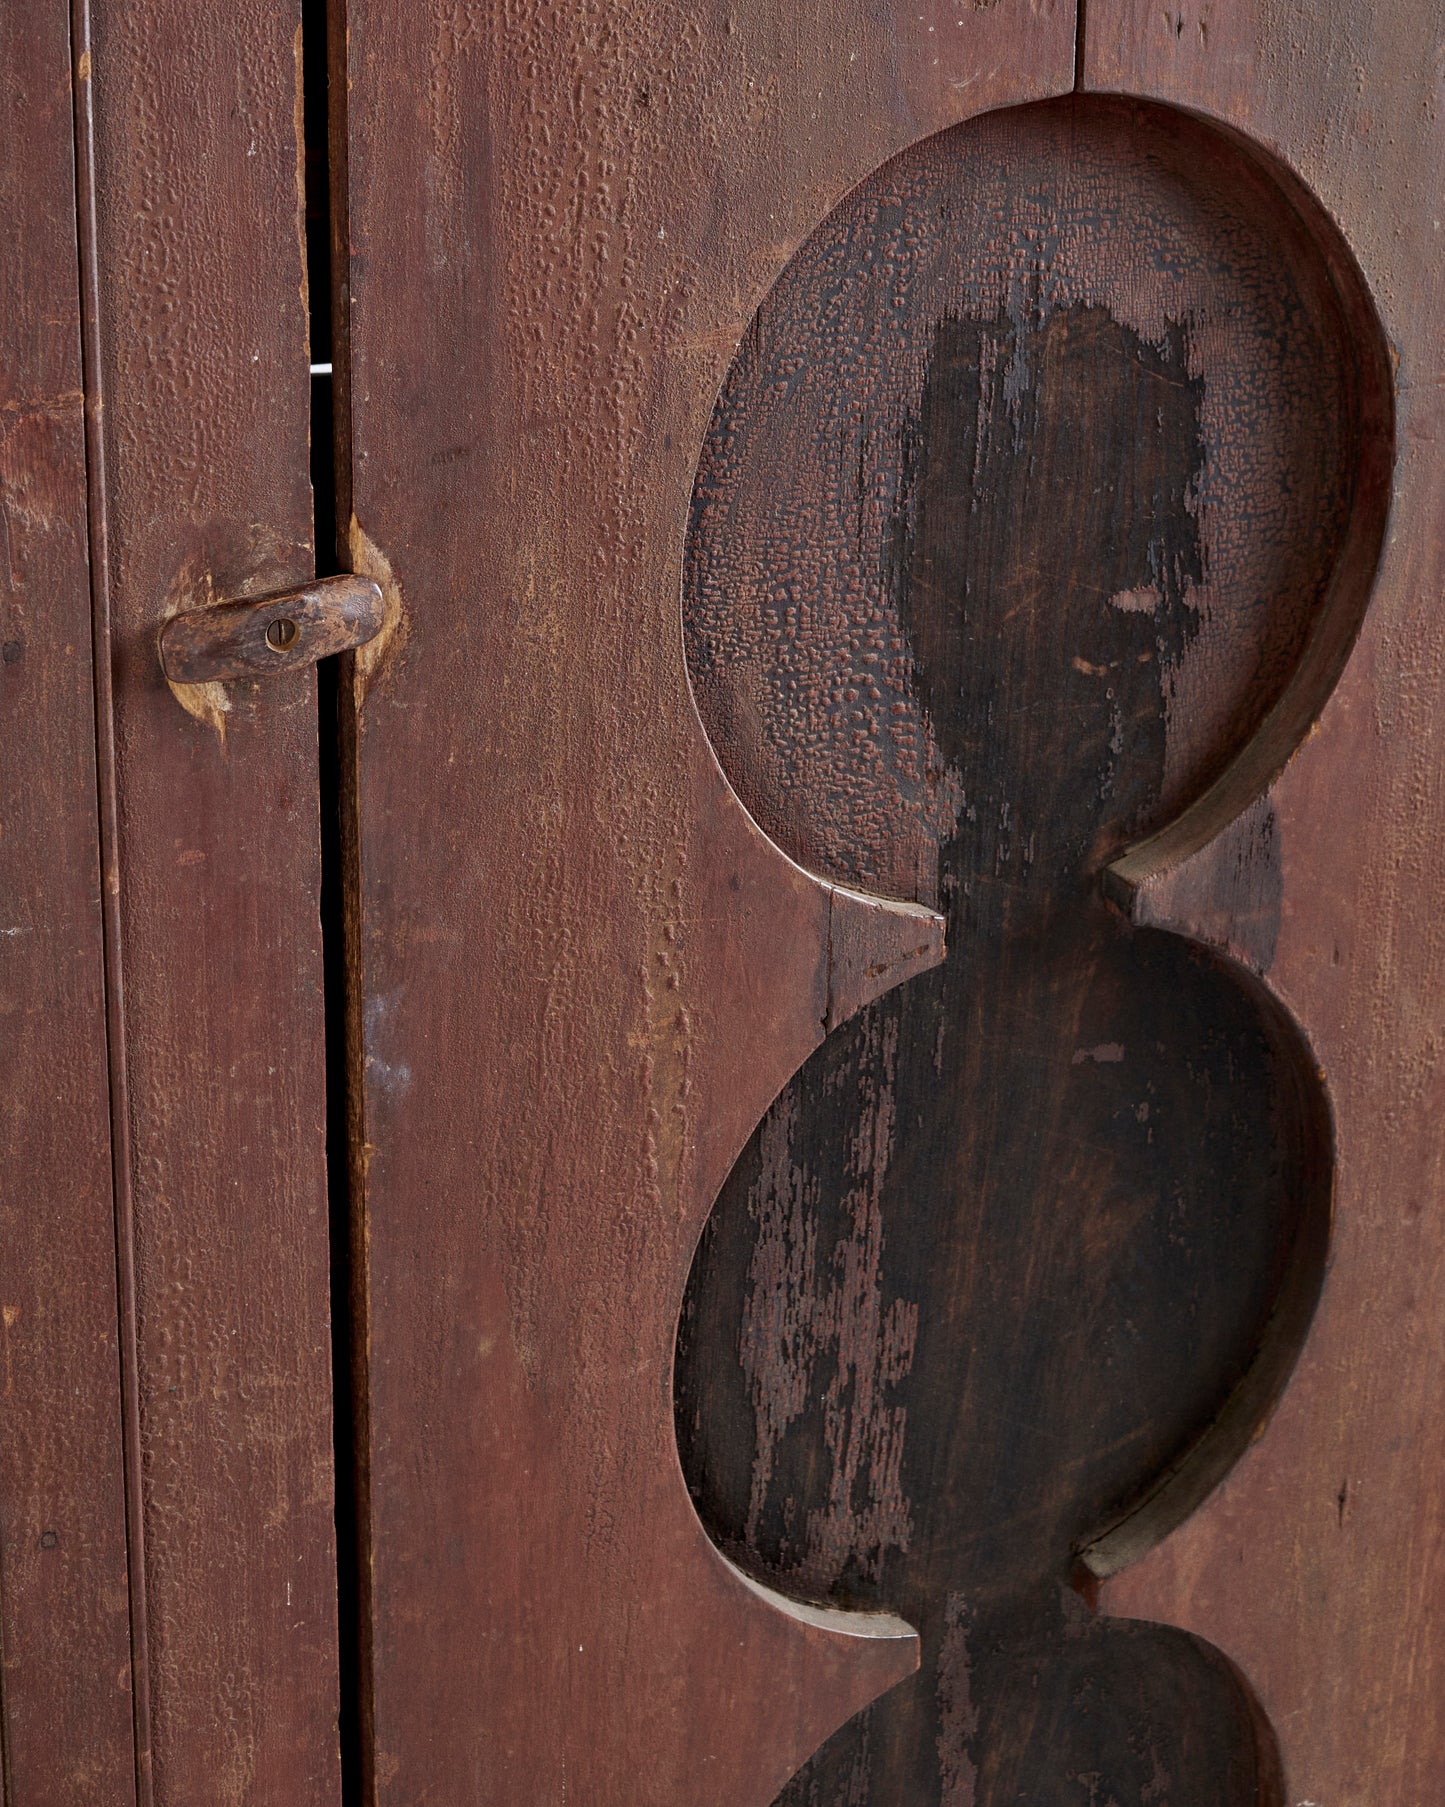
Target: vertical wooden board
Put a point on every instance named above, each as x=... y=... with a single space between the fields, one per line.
x=582 y=974
x=1319 y=1565
x=204 y=375
x=65 y=1688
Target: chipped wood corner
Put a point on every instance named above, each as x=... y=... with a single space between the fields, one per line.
x=875 y=943
x=1225 y=894
x=209 y=703
x=253 y=559
x=375 y=658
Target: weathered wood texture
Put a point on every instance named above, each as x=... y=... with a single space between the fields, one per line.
x=65 y=1687
x=583 y=972
x=205 y=391
x=1319 y=1566
x=1030 y=497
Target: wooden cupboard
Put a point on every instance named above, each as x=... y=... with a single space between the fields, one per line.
x=784 y=1144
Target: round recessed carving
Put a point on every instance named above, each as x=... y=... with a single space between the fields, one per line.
x=1044 y=490
x=1117 y=314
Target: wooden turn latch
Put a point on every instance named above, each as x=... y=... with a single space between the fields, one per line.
x=267 y=635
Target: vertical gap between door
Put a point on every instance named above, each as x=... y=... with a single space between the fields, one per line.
x=329 y=679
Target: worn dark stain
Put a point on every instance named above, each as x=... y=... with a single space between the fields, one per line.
x=1008 y=1242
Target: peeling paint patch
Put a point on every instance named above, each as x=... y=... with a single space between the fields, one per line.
x=957 y=1713
x=1143 y=601
x=377 y=656
x=797 y=1322
x=209 y=703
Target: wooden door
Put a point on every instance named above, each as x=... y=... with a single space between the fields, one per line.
x=167 y=1568
x=900 y=738
x=201 y=376
x=582 y=971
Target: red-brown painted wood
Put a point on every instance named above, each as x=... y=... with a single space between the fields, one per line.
x=582 y=974
x=1319 y=1566
x=203 y=379
x=65 y=1688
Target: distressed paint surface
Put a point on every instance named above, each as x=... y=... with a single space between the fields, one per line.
x=1016 y=514
x=1319 y=1565
x=992 y=236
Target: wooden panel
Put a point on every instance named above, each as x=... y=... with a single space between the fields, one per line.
x=65 y=1690
x=1319 y=1565
x=583 y=973
x=206 y=398
x=1031 y=494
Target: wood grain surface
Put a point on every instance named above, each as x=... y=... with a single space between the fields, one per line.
x=1027 y=492
x=583 y=972
x=66 y=1737
x=203 y=380
x=1319 y=1565
x=1039 y=512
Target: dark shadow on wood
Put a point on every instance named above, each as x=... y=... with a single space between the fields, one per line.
x=315 y=118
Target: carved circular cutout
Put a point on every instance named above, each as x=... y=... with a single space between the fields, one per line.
x=1096 y=348
x=1046 y=488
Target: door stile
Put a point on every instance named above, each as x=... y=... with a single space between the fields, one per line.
x=109 y=839
x=66 y=1724
x=200 y=344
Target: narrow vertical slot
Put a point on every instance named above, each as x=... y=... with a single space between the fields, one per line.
x=333 y=888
